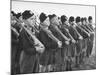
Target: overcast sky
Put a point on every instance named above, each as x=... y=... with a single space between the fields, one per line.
x=58 y=9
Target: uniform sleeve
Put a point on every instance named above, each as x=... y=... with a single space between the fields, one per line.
x=82 y=33
x=48 y=43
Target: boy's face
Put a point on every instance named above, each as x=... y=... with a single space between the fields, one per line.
x=32 y=20
x=79 y=23
x=66 y=22
x=13 y=21
x=47 y=22
x=55 y=20
x=90 y=21
x=84 y=22
x=20 y=18
x=71 y=22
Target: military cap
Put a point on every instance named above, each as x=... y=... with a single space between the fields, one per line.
x=18 y=15
x=78 y=19
x=71 y=19
x=42 y=17
x=51 y=16
x=89 y=18
x=63 y=18
x=82 y=19
x=27 y=14
x=13 y=13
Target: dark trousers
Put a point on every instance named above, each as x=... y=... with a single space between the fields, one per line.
x=78 y=51
x=83 y=51
x=28 y=63
x=89 y=47
x=59 y=59
x=47 y=58
x=69 y=53
x=79 y=47
x=13 y=59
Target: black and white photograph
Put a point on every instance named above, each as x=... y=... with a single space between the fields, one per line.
x=52 y=37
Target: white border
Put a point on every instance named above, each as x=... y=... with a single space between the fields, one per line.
x=5 y=36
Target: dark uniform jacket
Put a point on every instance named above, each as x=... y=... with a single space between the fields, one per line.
x=90 y=25
x=14 y=38
x=26 y=42
x=69 y=49
x=56 y=33
x=59 y=54
x=82 y=33
x=50 y=47
x=85 y=28
x=47 y=41
x=17 y=27
x=14 y=49
x=73 y=32
x=64 y=31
